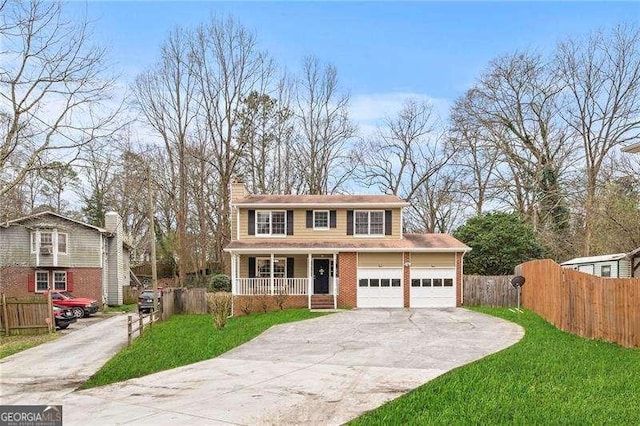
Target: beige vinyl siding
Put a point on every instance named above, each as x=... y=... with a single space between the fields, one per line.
x=427 y=260
x=299 y=266
x=83 y=244
x=381 y=260
x=300 y=229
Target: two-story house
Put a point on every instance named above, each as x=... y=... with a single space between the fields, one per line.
x=328 y=251
x=48 y=250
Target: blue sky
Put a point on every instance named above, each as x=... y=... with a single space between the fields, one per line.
x=383 y=50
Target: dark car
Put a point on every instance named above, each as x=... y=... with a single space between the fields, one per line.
x=63 y=317
x=80 y=306
x=145 y=300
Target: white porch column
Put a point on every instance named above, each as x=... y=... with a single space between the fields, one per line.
x=309 y=280
x=271 y=270
x=234 y=260
x=335 y=296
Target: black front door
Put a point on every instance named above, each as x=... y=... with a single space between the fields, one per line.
x=321 y=276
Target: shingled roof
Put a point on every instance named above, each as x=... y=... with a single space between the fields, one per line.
x=325 y=200
x=410 y=242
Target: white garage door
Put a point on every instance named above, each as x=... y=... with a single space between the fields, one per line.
x=433 y=288
x=380 y=288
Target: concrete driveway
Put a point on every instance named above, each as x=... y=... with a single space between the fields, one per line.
x=322 y=371
x=46 y=373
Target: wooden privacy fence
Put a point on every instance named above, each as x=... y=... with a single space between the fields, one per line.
x=184 y=301
x=129 y=295
x=583 y=304
x=25 y=316
x=494 y=291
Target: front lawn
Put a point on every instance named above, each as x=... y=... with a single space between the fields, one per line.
x=549 y=377
x=10 y=345
x=185 y=339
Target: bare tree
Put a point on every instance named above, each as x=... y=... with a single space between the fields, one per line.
x=165 y=96
x=266 y=127
x=227 y=66
x=325 y=129
x=58 y=177
x=476 y=158
x=436 y=206
x=405 y=151
x=54 y=89
x=602 y=104
x=516 y=102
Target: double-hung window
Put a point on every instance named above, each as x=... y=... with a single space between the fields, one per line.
x=46 y=240
x=321 y=219
x=369 y=222
x=60 y=280
x=42 y=281
x=263 y=269
x=271 y=223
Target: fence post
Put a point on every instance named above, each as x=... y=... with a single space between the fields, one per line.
x=5 y=315
x=141 y=324
x=129 y=330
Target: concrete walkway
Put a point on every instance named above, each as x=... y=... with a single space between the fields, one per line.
x=46 y=373
x=322 y=371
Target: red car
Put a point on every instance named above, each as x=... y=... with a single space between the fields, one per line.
x=80 y=306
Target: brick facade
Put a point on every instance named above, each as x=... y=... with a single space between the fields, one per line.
x=459 y=282
x=255 y=303
x=348 y=267
x=87 y=282
x=406 y=279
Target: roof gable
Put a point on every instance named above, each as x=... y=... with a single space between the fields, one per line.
x=50 y=213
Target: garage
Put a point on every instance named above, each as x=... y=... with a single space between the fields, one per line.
x=380 y=288
x=433 y=288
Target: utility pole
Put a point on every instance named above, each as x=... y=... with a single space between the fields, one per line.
x=152 y=239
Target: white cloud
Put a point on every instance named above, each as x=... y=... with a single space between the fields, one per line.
x=366 y=110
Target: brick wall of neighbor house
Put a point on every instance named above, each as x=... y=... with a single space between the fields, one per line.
x=87 y=282
x=406 y=279
x=459 y=279
x=255 y=303
x=348 y=268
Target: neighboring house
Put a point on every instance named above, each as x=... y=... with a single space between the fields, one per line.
x=338 y=251
x=48 y=250
x=635 y=148
x=619 y=265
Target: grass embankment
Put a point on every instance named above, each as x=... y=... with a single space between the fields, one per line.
x=10 y=345
x=549 y=377
x=185 y=339
x=120 y=308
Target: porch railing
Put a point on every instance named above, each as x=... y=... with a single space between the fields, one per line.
x=256 y=286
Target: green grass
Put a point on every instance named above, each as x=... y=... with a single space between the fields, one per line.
x=549 y=377
x=120 y=308
x=10 y=345
x=185 y=339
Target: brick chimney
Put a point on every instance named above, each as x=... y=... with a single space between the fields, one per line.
x=238 y=190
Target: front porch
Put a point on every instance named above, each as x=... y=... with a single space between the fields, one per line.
x=291 y=274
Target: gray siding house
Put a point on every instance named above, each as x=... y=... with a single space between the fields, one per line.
x=48 y=250
x=618 y=265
